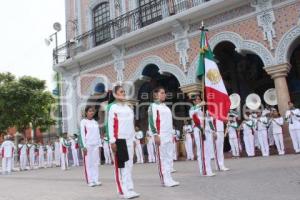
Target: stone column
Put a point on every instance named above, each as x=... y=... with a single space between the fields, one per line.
x=279 y=73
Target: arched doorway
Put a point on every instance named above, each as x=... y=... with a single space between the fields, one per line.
x=242 y=73
x=294 y=76
x=152 y=78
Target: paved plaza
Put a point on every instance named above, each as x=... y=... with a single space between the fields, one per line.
x=276 y=177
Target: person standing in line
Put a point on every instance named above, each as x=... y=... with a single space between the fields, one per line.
x=120 y=132
x=233 y=134
x=277 y=123
x=161 y=124
x=201 y=131
x=90 y=142
x=292 y=116
x=7 y=150
x=57 y=152
x=247 y=126
x=49 y=150
x=262 y=125
x=188 y=130
x=41 y=155
x=150 y=147
x=138 y=147
x=74 y=150
x=106 y=150
x=64 y=146
x=31 y=147
x=22 y=150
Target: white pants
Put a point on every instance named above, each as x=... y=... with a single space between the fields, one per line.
x=23 y=161
x=279 y=143
x=91 y=164
x=235 y=149
x=197 y=141
x=106 y=152
x=295 y=135
x=139 y=152
x=41 y=160
x=256 y=139
x=150 y=149
x=31 y=159
x=57 y=157
x=6 y=165
x=249 y=144
x=210 y=145
x=204 y=161
x=270 y=136
x=220 y=149
x=203 y=152
x=123 y=176
x=174 y=150
x=64 y=161
x=263 y=142
x=165 y=162
x=75 y=157
x=189 y=147
x=49 y=158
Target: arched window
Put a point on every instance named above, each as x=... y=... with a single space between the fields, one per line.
x=101 y=18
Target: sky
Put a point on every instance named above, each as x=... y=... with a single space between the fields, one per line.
x=24 y=26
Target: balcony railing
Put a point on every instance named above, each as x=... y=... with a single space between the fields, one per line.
x=142 y=16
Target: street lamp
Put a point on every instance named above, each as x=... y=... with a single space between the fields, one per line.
x=57 y=28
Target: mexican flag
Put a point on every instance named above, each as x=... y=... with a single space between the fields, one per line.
x=215 y=94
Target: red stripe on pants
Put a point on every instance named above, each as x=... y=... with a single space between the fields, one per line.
x=119 y=186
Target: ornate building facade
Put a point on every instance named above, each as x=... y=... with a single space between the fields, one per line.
x=145 y=43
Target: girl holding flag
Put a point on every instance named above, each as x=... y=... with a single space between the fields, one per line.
x=202 y=143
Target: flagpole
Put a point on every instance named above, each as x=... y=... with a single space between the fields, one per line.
x=203 y=29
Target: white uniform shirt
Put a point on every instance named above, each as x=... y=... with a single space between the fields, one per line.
x=220 y=125
x=41 y=150
x=22 y=149
x=247 y=127
x=293 y=120
x=197 y=112
x=7 y=149
x=262 y=123
x=161 y=115
x=276 y=125
x=90 y=133
x=232 y=129
x=120 y=122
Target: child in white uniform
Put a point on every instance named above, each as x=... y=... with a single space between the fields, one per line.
x=49 y=149
x=262 y=127
x=120 y=132
x=23 y=154
x=138 y=147
x=150 y=147
x=233 y=134
x=64 y=151
x=161 y=124
x=277 y=123
x=187 y=130
x=7 y=149
x=247 y=127
x=292 y=116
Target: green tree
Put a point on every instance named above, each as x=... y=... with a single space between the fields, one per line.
x=24 y=101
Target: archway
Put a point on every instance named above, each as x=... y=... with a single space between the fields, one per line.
x=242 y=73
x=294 y=75
x=152 y=77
